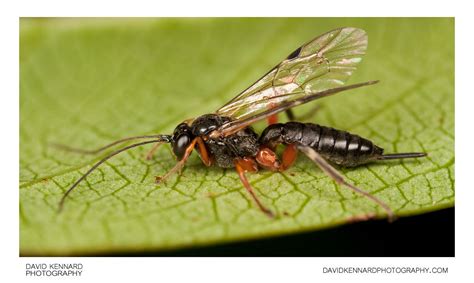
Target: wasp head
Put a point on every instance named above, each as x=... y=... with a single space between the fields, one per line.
x=182 y=138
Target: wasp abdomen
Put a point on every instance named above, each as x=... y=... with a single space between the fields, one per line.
x=339 y=147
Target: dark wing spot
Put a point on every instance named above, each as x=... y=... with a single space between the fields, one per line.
x=294 y=54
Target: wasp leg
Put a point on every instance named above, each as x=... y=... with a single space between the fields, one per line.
x=273 y=119
x=288 y=157
x=203 y=153
x=290 y=115
x=305 y=117
x=249 y=165
x=152 y=151
x=179 y=165
x=334 y=174
x=267 y=158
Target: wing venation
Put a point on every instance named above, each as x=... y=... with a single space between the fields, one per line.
x=323 y=63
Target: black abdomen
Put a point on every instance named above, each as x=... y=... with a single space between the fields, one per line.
x=336 y=146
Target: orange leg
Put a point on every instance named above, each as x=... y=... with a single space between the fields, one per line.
x=268 y=159
x=289 y=157
x=203 y=153
x=273 y=119
x=249 y=165
x=179 y=165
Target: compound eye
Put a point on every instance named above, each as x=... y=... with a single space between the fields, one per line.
x=179 y=147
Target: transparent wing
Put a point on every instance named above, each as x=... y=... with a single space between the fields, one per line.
x=323 y=63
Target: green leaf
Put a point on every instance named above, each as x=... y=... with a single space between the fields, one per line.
x=87 y=82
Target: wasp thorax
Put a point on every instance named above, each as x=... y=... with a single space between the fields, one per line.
x=182 y=138
x=205 y=124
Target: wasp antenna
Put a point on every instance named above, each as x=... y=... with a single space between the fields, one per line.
x=373 y=82
x=61 y=203
x=402 y=155
x=165 y=138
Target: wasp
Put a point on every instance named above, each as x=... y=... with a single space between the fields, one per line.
x=226 y=139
